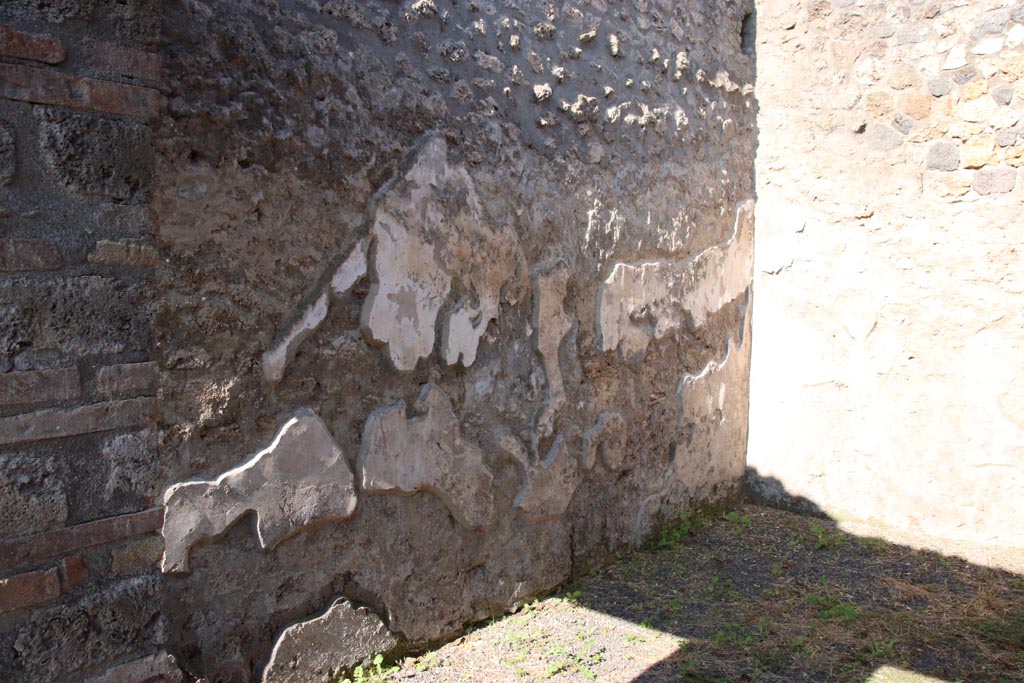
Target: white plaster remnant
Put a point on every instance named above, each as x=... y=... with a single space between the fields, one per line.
x=551 y=483
x=431 y=229
x=301 y=478
x=605 y=440
x=427 y=453
x=552 y=324
x=282 y=350
x=640 y=302
x=317 y=650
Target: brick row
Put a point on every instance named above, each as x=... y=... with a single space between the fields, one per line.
x=19 y=551
x=32 y=387
x=96 y=417
x=42 y=86
x=29 y=590
x=17 y=256
x=127 y=381
x=32 y=46
x=124 y=254
x=125 y=61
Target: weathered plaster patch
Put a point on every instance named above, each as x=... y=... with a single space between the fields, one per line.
x=551 y=483
x=277 y=357
x=605 y=440
x=301 y=478
x=315 y=651
x=552 y=324
x=427 y=453
x=431 y=229
x=645 y=301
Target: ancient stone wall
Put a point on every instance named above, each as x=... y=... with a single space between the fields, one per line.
x=888 y=370
x=387 y=316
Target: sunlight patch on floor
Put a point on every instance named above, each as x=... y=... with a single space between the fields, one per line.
x=890 y=674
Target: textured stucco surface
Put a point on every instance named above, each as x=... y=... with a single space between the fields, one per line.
x=888 y=361
x=401 y=217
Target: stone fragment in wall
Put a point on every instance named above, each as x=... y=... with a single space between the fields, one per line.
x=978 y=151
x=916 y=105
x=551 y=323
x=977 y=110
x=302 y=324
x=430 y=229
x=995 y=180
x=641 y=302
x=882 y=138
x=1004 y=117
x=949 y=185
x=1002 y=95
x=904 y=76
x=426 y=452
x=989 y=46
x=943 y=155
x=1014 y=157
x=1015 y=36
x=879 y=104
x=606 y=441
x=317 y=650
x=939 y=87
x=956 y=59
x=928 y=132
x=974 y=90
x=550 y=483
x=301 y=478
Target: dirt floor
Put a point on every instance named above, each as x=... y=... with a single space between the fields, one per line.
x=755 y=595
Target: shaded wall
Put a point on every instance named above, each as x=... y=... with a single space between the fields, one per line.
x=453 y=301
x=888 y=371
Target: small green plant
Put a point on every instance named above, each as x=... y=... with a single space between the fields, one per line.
x=374 y=672
x=825 y=538
x=830 y=604
x=873 y=545
x=739 y=522
x=776 y=569
x=881 y=649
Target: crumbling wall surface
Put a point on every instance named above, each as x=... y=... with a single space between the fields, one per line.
x=888 y=372
x=453 y=300
x=80 y=475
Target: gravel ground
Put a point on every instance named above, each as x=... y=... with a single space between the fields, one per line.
x=755 y=595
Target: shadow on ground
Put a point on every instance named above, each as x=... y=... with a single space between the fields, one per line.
x=757 y=594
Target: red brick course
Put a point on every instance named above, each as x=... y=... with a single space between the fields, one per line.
x=28 y=590
x=39 y=386
x=126 y=61
x=36 y=47
x=96 y=417
x=19 y=551
x=75 y=571
x=18 y=256
x=42 y=86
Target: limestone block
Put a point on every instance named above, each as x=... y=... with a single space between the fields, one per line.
x=316 y=651
x=551 y=483
x=978 y=151
x=975 y=89
x=430 y=228
x=301 y=478
x=883 y=138
x=606 y=441
x=997 y=180
x=552 y=324
x=949 y=185
x=426 y=452
x=649 y=300
x=989 y=46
